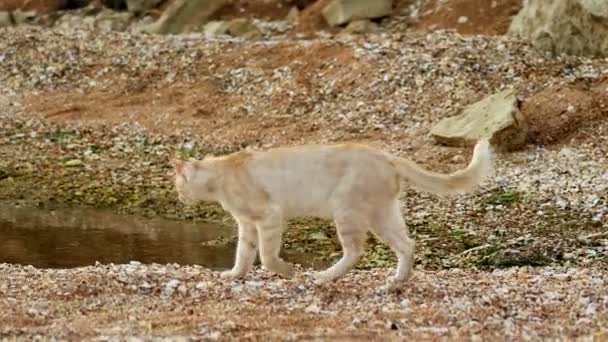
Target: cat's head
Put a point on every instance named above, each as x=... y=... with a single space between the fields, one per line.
x=194 y=181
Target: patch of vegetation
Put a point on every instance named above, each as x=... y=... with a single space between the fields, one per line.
x=501 y=259
x=62 y=137
x=505 y=198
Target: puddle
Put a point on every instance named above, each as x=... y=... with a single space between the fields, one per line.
x=79 y=237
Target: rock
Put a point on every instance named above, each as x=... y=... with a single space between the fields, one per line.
x=40 y=6
x=240 y=27
x=312 y=308
x=578 y=27
x=185 y=16
x=215 y=28
x=339 y=12
x=244 y=28
x=496 y=117
x=141 y=6
x=73 y=163
x=113 y=21
x=115 y=4
x=360 y=27
x=24 y=17
x=318 y=236
x=310 y=18
x=6 y=19
x=183 y=290
x=293 y=14
x=598 y=8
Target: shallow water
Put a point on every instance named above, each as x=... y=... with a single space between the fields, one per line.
x=81 y=237
x=71 y=238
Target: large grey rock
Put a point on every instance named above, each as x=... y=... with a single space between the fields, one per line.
x=598 y=8
x=239 y=27
x=244 y=28
x=24 y=17
x=5 y=19
x=185 y=16
x=108 y=21
x=339 y=12
x=578 y=27
x=361 y=26
x=496 y=117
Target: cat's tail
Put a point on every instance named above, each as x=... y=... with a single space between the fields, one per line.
x=461 y=181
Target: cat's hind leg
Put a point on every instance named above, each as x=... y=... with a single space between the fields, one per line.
x=389 y=226
x=351 y=232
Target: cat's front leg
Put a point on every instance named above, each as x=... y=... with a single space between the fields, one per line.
x=245 y=250
x=269 y=235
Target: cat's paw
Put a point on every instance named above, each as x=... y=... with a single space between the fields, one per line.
x=392 y=285
x=231 y=274
x=322 y=278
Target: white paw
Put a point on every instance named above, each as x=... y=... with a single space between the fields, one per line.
x=392 y=284
x=322 y=278
x=231 y=274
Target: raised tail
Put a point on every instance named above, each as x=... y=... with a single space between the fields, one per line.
x=461 y=181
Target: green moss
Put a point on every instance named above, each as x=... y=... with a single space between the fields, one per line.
x=505 y=198
x=500 y=259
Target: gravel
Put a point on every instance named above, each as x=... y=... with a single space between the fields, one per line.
x=111 y=302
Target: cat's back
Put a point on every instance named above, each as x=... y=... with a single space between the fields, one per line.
x=317 y=152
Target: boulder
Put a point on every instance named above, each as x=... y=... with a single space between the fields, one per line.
x=24 y=17
x=185 y=16
x=293 y=15
x=239 y=27
x=339 y=12
x=599 y=8
x=108 y=21
x=360 y=27
x=215 y=28
x=310 y=18
x=496 y=117
x=577 y=27
x=244 y=28
x=40 y=6
x=141 y=6
x=6 y=20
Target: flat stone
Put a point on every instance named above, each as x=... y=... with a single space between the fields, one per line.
x=5 y=19
x=496 y=117
x=239 y=27
x=141 y=6
x=244 y=28
x=360 y=27
x=340 y=12
x=185 y=16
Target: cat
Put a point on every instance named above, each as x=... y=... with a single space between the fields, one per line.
x=355 y=185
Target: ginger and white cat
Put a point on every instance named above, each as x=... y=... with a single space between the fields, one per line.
x=355 y=185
